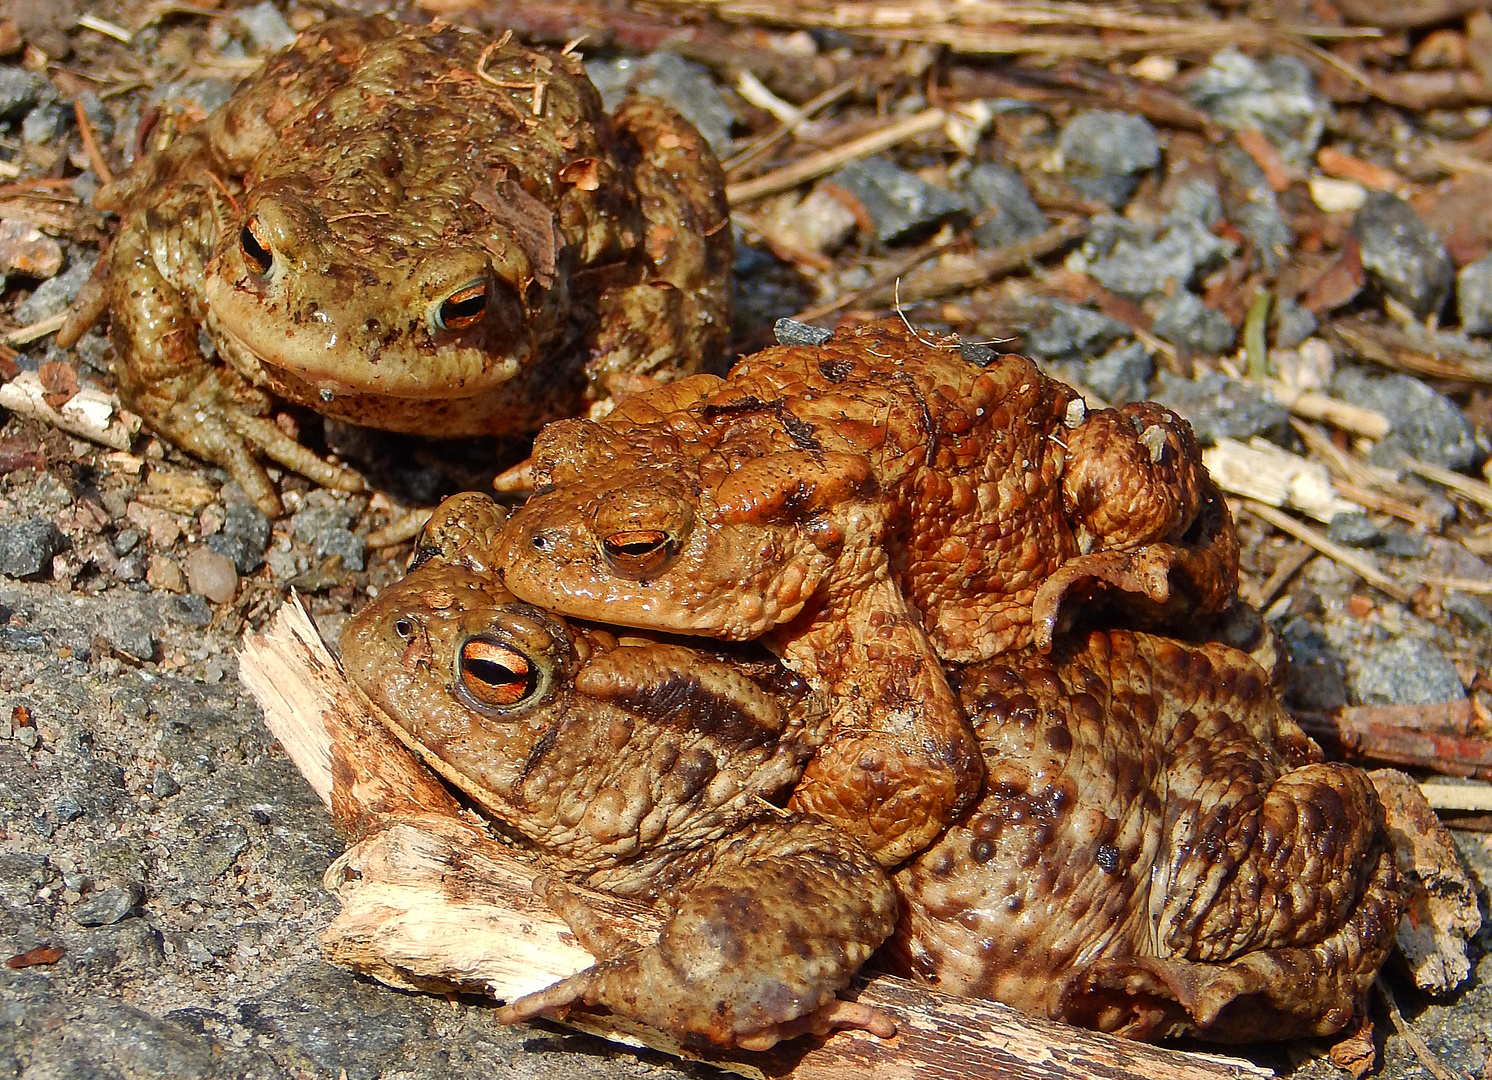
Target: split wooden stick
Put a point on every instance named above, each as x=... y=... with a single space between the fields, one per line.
x=431 y=900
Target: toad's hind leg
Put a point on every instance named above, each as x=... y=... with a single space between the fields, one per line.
x=755 y=950
x=206 y=409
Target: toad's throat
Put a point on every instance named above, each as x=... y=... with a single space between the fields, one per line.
x=319 y=365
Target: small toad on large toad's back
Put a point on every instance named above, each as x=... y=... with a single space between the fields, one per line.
x=415 y=229
x=869 y=507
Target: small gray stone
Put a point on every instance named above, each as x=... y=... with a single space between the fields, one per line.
x=1354 y=530
x=245 y=521
x=1219 y=407
x=1406 y=671
x=1474 y=612
x=320 y=512
x=1121 y=375
x=1403 y=545
x=54 y=295
x=900 y=204
x=1174 y=261
x=99 y=118
x=791 y=332
x=237 y=551
x=266 y=27
x=1106 y=152
x=20 y=90
x=1106 y=230
x=43 y=123
x=352 y=549
x=1184 y=320
x=690 y=89
x=67 y=808
x=976 y=353
x=126 y=540
x=1474 y=296
x=1278 y=97
x=188 y=609
x=27 y=548
x=1196 y=200
x=1402 y=255
x=1318 y=677
x=1005 y=206
x=162 y=784
x=1422 y=423
x=1057 y=329
x=108 y=907
x=1253 y=208
x=1292 y=323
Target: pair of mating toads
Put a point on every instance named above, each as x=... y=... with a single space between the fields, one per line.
x=406 y=228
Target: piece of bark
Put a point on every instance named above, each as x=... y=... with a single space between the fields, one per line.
x=1421 y=736
x=433 y=901
x=1442 y=914
x=90 y=413
x=1260 y=470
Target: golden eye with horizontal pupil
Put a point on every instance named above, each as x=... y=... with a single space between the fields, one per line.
x=256 y=250
x=639 y=551
x=496 y=674
x=463 y=307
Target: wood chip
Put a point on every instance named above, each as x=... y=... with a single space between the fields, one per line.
x=90 y=414
x=1260 y=470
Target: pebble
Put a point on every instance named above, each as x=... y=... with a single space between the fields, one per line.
x=1423 y=423
x=1105 y=153
x=162 y=784
x=1402 y=255
x=1174 y=261
x=1000 y=198
x=43 y=123
x=1474 y=612
x=189 y=610
x=1474 y=296
x=1120 y=375
x=1219 y=407
x=211 y=575
x=27 y=548
x=1291 y=323
x=107 y=907
x=899 y=204
x=1253 y=208
x=344 y=544
x=243 y=555
x=1278 y=97
x=1406 y=671
x=1195 y=200
x=791 y=332
x=26 y=250
x=20 y=90
x=685 y=85
x=819 y=223
x=163 y=573
x=1184 y=320
x=1318 y=678
x=1056 y=329
x=53 y=297
x=1354 y=530
x=266 y=27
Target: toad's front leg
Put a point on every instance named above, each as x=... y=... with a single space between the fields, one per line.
x=755 y=950
x=204 y=408
x=902 y=761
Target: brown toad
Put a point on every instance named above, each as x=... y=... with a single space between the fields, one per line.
x=639 y=767
x=870 y=507
x=409 y=228
x=1158 y=850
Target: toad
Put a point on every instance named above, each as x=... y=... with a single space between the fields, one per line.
x=640 y=767
x=410 y=228
x=869 y=508
x=1159 y=850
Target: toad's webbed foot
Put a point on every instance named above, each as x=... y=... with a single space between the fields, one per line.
x=755 y=950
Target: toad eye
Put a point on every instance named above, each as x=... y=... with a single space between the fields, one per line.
x=404 y=628
x=462 y=308
x=255 y=246
x=639 y=552
x=496 y=675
